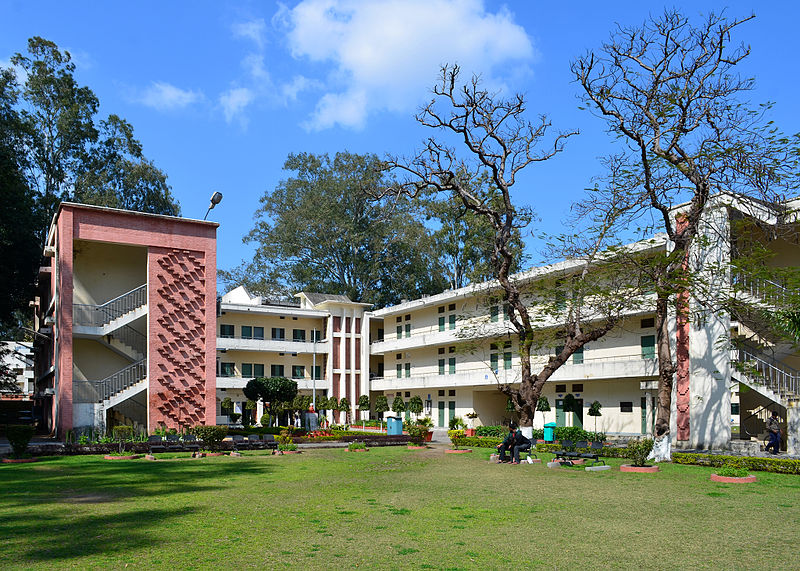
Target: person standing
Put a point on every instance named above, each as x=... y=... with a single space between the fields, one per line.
x=774 y=429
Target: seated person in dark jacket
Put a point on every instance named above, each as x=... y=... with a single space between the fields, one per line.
x=516 y=442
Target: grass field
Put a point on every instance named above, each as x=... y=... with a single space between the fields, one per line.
x=390 y=508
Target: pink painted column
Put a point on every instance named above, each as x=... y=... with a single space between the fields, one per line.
x=682 y=381
x=63 y=398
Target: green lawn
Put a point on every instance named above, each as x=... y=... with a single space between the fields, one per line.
x=388 y=508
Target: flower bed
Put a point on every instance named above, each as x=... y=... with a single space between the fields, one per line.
x=733 y=479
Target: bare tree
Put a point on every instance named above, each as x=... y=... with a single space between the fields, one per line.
x=500 y=143
x=670 y=90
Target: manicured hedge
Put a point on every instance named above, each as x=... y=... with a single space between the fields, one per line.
x=777 y=465
x=606 y=452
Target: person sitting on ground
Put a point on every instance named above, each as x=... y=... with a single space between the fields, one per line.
x=774 y=428
x=516 y=442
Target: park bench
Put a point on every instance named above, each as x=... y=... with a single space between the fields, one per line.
x=155 y=444
x=190 y=442
x=269 y=442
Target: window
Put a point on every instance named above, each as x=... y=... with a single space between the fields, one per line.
x=278 y=333
x=507 y=360
x=258 y=370
x=399 y=370
x=648 y=322
x=441 y=323
x=226 y=331
x=561 y=388
x=451 y=363
x=227 y=369
x=493 y=362
x=626 y=406
x=451 y=307
x=398 y=356
x=408 y=330
x=276 y=371
x=298 y=334
x=577 y=387
x=441 y=309
x=734 y=408
x=441 y=366
x=451 y=393
x=380 y=335
x=493 y=313
x=298 y=371
x=408 y=370
x=399 y=320
x=408 y=317
x=441 y=350
x=316 y=334
x=318 y=372
x=451 y=319
x=258 y=333
x=399 y=331
x=577 y=357
x=451 y=349
x=648 y=346
x=247 y=370
x=441 y=392
x=408 y=394
x=247 y=332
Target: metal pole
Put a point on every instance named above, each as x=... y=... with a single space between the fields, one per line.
x=314 y=371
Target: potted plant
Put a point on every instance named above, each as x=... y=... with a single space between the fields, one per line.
x=417 y=432
x=637 y=451
x=594 y=410
x=471 y=416
x=285 y=443
x=427 y=424
x=19 y=435
x=734 y=471
x=344 y=405
x=363 y=406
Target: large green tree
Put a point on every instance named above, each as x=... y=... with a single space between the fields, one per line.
x=71 y=154
x=318 y=231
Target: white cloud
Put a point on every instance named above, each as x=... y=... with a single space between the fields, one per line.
x=235 y=101
x=253 y=30
x=166 y=97
x=386 y=53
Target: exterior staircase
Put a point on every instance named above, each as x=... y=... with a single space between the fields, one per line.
x=770 y=378
x=109 y=325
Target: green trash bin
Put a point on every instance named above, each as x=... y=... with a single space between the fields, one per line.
x=550 y=432
x=394 y=426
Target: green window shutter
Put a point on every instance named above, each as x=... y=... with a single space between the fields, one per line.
x=258 y=333
x=493 y=311
x=408 y=370
x=577 y=357
x=318 y=372
x=452 y=365
x=493 y=362
x=258 y=370
x=399 y=371
x=507 y=361
x=408 y=330
x=399 y=331
x=227 y=369
x=441 y=323
x=226 y=331
x=441 y=366
x=247 y=332
x=648 y=346
x=247 y=369
x=452 y=320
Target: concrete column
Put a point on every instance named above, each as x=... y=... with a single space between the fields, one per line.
x=793 y=429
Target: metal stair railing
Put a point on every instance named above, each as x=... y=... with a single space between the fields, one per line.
x=776 y=376
x=127 y=335
x=767 y=291
x=100 y=315
x=98 y=391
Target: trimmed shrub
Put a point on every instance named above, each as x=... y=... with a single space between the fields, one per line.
x=638 y=450
x=496 y=431
x=456 y=437
x=19 y=435
x=212 y=436
x=776 y=465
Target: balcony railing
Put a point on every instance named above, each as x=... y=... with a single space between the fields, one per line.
x=776 y=376
x=100 y=315
x=772 y=293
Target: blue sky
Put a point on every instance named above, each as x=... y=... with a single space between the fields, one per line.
x=220 y=93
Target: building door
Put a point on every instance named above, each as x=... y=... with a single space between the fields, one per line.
x=560 y=417
x=451 y=411
x=577 y=414
x=441 y=414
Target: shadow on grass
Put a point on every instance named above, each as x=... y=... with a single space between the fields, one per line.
x=70 y=479
x=65 y=537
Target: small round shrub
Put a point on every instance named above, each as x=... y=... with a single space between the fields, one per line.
x=212 y=436
x=19 y=435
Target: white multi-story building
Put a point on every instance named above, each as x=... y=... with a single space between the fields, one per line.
x=452 y=349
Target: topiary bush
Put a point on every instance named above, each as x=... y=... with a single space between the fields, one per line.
x=734 y=468
x=456 y=437
x=19 y=435
x=776 y=465
x=212 y=436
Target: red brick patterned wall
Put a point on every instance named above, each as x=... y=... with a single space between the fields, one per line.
x=177 y=307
